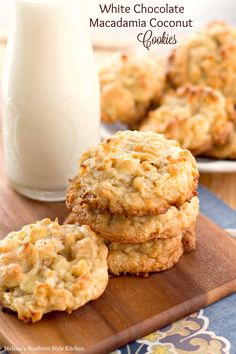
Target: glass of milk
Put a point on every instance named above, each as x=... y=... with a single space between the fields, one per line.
x=50 y=96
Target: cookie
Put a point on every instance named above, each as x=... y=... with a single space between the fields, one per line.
x=151 y=256
x=207 y=58
x=46 y=267
x=189 y=239
x=226 y=151
x=136 y=229
x=136 y=174
x=129 y=85
x=196 y=116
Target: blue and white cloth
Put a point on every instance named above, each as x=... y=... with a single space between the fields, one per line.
x=209 y=331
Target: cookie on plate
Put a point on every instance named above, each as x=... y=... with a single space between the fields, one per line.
x=136 y=174
x=151 y=256
x=226 y=151
x=196 y=116
x=207 y=58
x=136 y=229
x=129 y=85
x=46 y=267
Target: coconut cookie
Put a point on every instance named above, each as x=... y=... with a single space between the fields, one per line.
x=207 y=58
x=136 y=229
x=129 y=85
x=151 y=256
x=196 y=116
x=46 y=267
x=136 y=174
x=189 y=239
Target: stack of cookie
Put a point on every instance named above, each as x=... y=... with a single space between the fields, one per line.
x=137 y=190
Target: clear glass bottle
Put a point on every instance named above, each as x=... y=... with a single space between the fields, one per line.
x=50 y=96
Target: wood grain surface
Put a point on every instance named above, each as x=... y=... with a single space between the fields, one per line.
x=132 y=307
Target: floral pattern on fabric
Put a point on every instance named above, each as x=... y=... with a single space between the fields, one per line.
x=189 y=335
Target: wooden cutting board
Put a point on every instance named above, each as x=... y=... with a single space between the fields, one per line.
x=131 y=307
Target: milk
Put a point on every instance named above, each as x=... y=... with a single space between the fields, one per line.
x=50 y=94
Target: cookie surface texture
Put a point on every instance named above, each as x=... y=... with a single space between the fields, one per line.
x=134 y=173
x=152 y=256
x=136 y=229
x=207 y=58
x=196 y=116
x=46 y=267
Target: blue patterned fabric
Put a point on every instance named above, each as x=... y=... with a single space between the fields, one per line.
x=210 y=331
x=216 y=210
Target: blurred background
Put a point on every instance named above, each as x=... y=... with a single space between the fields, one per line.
x=201 y=11
x=112 y=39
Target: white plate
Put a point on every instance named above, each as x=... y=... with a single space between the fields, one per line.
x=204 y=164
x=216 y=166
